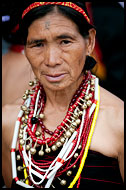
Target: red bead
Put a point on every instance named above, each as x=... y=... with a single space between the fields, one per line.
x=41 y=123
x=29 y=120
x=70 y=109
x=52 y=138
x=55 y=135
x=28 y=129
x=48 y=140
x=51 y=133
x=33 y=100
x=44 y=141
x=76 y=103
x=56 y=131
x=56 y=139
x=69 y=114
x=30 y=133
x=82 y=96
x=34 y=139
x=30 y=115
x=46 y=130
x=62 y=124
x=43 y=127
x=30 y=125
x=39 y=141
x=65 y=120
x=59 y=127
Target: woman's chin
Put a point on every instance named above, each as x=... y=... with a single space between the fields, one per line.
x=55 y=86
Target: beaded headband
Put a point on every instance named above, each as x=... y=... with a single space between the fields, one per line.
x=67 y=4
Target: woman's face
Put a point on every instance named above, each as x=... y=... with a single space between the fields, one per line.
x=56 y=51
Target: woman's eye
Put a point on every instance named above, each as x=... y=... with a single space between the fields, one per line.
x=65 y=42
x=39 y=45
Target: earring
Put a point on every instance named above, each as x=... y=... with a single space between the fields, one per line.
x=90 y=62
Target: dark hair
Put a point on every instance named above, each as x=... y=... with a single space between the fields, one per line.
x=41 y=11
x=38 y=12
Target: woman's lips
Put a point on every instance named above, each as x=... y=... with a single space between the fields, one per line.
x=55 y=78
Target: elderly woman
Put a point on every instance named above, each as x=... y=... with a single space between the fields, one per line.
x=67 y=132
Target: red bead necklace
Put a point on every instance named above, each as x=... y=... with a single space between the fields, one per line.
x=60 y=129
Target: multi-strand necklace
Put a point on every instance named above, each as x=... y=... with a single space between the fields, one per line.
x=74 y=133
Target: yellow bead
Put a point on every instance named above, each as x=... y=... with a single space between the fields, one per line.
x=26 y=116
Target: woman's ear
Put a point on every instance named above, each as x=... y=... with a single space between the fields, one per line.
x=91 y=41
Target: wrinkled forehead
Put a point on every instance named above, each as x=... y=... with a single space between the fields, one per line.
x=53 y=22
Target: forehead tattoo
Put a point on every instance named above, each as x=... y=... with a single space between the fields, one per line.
x=47 y=25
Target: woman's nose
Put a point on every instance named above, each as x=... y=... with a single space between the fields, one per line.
x=53 y=56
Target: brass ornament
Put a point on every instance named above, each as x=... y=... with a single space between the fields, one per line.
x=63 y=182
x=32 y=151
x=69 y=173
x=41 y=153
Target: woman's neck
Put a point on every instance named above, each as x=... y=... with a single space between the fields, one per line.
x=61 y=99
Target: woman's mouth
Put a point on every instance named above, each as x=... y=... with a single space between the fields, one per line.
x=55 y=78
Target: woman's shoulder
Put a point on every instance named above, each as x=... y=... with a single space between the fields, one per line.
x=112 y=108
x=109 y=99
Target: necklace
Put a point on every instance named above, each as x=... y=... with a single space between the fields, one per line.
x=68 y=137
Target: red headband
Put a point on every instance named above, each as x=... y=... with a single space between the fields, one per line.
x=67 y=4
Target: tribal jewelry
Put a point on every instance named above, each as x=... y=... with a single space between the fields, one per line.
x=73 y=134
